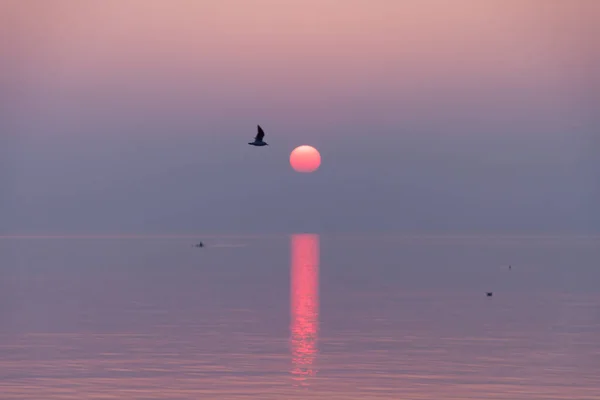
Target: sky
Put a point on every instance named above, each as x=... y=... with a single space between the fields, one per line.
x=431 y=116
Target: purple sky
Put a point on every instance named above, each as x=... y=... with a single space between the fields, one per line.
x=132 y=116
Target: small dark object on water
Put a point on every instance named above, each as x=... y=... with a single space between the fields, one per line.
x=489 y=294
x=199 y=245
x=510 y=267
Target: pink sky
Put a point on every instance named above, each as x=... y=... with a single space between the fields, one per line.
x=464 y=103
x=413 y=49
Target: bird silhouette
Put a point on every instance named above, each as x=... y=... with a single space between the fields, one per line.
x=258 y=139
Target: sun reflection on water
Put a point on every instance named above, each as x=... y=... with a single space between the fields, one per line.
x=304 y=305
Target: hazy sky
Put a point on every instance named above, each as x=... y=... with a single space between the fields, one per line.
x=132 y=116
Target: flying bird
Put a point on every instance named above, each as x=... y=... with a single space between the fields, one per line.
x=258 y=139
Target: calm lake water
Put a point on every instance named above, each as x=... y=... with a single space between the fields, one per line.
x=300 y=316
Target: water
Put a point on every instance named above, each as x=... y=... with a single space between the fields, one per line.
x=286 y=317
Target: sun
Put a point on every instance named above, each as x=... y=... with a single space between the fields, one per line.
x=305 y=159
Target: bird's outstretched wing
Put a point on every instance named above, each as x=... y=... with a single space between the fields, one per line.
x=260 y=135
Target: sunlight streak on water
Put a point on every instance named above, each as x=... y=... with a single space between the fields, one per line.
x=304 y=304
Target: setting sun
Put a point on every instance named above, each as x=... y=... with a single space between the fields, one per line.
x=305 y=159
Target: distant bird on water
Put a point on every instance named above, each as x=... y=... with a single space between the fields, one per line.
x=199 y=245
x=258 y=139
x=489 y=294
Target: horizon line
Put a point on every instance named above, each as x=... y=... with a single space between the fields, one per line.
x=348 y=235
